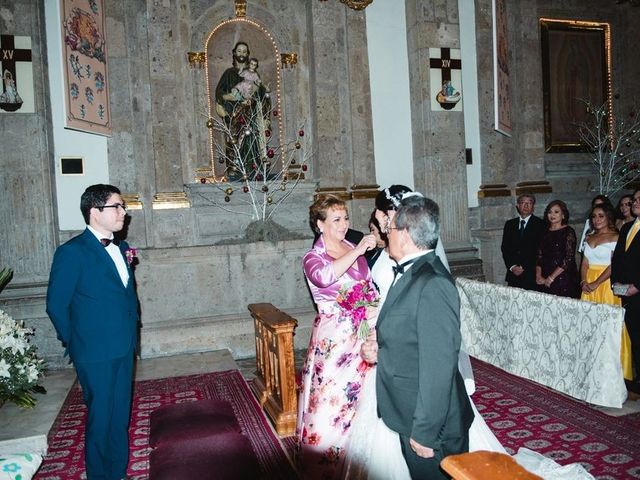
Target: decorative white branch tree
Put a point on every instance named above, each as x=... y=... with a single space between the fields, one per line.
x=614 y=145
x=252 y=165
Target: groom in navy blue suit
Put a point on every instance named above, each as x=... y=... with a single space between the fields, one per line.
x=93 y=305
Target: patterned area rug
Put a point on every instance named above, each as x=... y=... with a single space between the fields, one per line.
x=524 y=414
x=65 y=460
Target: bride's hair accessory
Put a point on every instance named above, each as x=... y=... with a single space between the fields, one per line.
x=411 y=194
x=392 y=198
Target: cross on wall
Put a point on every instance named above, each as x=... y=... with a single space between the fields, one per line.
x=9 y=55
x=445 y=63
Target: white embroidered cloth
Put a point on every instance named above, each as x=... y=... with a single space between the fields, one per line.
x=572 y=346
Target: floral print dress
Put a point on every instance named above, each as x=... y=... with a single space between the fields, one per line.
x=333 y=373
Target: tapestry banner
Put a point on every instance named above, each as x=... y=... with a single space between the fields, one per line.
x=85 y=66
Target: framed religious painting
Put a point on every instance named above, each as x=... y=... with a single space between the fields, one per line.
x=243 y=77
x=501 y=78
x=576 y=68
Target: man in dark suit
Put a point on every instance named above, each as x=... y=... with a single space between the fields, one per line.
x=420 y=392
x=625 y=281
x=93 y=305
x=520 y=241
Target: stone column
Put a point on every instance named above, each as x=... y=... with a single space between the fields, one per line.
x=438 y=136
x=168 y=76
x=340 y=74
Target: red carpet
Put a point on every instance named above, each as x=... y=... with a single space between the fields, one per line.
x=65 y=460
x=523 y=414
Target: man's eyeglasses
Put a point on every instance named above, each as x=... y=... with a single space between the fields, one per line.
x=115 y=205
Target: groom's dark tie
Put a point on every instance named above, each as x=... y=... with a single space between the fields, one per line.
x=399 y=269
x=106 y=241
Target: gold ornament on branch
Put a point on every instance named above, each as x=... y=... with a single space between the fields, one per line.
x=357 y=4
x=196 y=59
x=288 y=60
x=241 y=8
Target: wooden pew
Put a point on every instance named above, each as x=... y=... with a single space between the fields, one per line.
x=275 y=384
x=483 y=465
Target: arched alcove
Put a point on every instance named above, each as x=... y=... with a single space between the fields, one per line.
x=251 y=118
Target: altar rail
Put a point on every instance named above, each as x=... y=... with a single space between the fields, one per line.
x=275 y=385
x=572 y=346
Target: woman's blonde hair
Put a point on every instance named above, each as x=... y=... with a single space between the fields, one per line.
x=319 y=209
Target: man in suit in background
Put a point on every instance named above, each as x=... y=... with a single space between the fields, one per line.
x=420 y=392
x=625 y=281
x=520 y=240
x=93 y=305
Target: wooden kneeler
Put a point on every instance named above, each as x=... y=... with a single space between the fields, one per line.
x=483 y=465
x=275 y=384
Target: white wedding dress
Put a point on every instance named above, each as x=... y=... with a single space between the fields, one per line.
x=373 y=451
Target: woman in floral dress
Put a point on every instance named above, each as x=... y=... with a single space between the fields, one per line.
x=334 y=372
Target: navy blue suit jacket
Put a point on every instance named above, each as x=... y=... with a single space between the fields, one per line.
x=94 y=314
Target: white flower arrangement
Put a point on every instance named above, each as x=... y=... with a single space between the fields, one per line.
x=20 y=367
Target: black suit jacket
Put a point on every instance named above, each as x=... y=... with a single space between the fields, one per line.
x=625 y=265
x=420 y=391
x=517 y=250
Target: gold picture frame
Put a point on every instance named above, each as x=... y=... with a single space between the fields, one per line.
x=576 y=67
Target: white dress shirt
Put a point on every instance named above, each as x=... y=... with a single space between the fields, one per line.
x=116 y=255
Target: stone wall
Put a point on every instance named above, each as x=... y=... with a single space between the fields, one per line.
x=202 y=307
x=27 y=228
x=27 y=218
x=158 y=107
x=522 y=157
x=160 y=140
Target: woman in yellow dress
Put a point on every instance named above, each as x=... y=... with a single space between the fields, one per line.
x=595 y=271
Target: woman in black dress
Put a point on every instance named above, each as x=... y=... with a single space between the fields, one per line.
x=556 y=270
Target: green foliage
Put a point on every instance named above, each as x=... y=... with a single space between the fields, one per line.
x=6 y=274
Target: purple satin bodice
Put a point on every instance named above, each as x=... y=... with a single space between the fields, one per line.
x=318 y=269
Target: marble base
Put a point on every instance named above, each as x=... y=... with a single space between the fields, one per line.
x=25 y=430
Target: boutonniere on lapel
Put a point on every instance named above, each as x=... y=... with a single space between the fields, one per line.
x=354 y=301
x=131 y=254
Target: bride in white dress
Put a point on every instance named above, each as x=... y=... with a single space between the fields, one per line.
x=373 y=451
